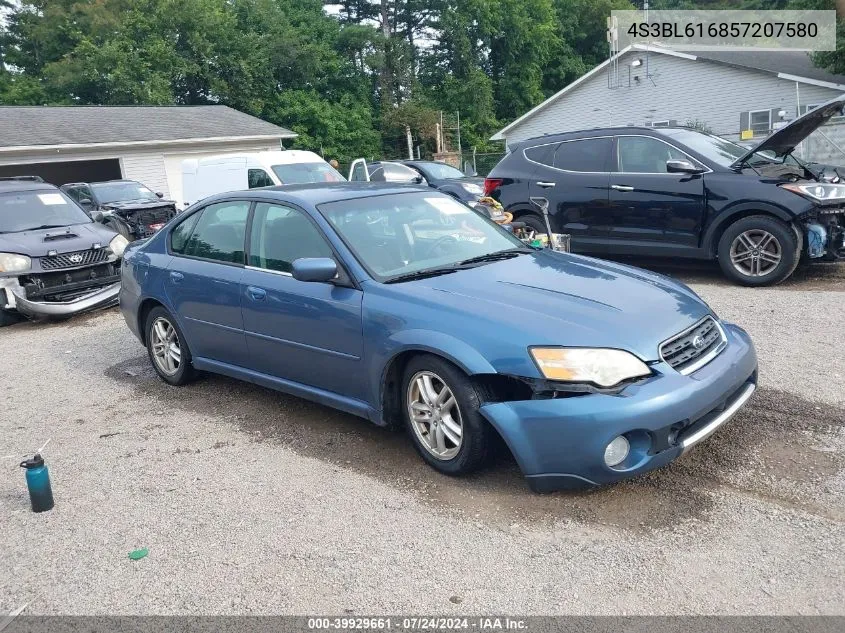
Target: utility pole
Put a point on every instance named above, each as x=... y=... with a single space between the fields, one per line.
x=459 y=134
x=410 y=142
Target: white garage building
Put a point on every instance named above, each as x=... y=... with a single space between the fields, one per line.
x=145 y=143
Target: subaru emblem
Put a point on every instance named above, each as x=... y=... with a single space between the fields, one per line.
x=698 y=342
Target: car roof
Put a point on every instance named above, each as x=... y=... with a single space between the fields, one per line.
x=7 y=186
x=605 y=131
x=97 y=182
x=317 y=193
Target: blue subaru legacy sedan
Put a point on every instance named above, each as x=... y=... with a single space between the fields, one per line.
x=401 y=305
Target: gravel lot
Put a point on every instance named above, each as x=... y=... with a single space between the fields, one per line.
x=254 y=502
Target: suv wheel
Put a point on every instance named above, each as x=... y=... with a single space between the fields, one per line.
x=441 y=411
x=534 y=223
x=758 y=251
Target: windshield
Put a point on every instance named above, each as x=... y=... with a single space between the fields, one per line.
x=303 y=173
x=107 y=192
x=718 y=150
x=398 y=234
x=26 y=210
x=442 y=171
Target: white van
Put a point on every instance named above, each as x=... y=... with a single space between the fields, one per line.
x=202 y=177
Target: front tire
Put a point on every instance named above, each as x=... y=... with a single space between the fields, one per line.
x=8 y=318
x=758 y=251
x=120 y=228
x=440 y=405
x=167 y=348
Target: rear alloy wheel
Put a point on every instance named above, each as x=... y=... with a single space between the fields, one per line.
x=441 y=411
x=758 y=251
x=167 y=349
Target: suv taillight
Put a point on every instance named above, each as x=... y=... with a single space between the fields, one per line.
x=490 y=185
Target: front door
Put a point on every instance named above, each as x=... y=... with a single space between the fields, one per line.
x=203 y=281
x=308 y=333
x=650 y=208
x=573 y=176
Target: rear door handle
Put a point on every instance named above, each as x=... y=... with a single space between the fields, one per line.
x=621 y=187
x=256 y=294
x=176 y=277
x=546 y=185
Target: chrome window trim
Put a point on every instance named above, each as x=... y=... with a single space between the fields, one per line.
x=651 y=173
x=572 y=140
x=268 y=270
x=704 y=360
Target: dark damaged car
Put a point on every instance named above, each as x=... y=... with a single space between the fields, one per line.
x=125 y=206
x=54 y=260
x=680 y=193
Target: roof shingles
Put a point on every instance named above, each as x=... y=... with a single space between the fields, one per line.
x=27 y=126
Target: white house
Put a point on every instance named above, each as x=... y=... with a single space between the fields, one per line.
x=739 y=95
x=145 y=143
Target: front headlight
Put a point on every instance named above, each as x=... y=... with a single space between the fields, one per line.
x=14 y=263
x=603 y=367
x=118 y=245
x=823 y=192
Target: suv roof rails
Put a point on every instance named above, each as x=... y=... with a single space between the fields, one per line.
x=24 y=178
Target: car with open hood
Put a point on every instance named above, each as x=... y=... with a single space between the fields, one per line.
x=54 y=260
x=681 y=193
x=403 y=306
x=126 y=206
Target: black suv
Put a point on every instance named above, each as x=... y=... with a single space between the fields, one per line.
x=54 y=261
x=125 y=206
x=676 y=192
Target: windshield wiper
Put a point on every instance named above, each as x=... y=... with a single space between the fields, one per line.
x=421 y=274
x=45 y=226
x=493 y=257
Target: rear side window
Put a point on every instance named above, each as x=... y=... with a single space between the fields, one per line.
x=179 y=236
x=219 y=232
x=543 y=154
x=586 y=155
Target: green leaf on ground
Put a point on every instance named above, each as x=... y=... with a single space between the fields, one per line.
x=138 y=554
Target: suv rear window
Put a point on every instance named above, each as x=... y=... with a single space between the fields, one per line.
x=586 y=155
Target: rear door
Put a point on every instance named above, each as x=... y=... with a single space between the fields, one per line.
x=574 y=177
x=203 y=280
x=649 y=207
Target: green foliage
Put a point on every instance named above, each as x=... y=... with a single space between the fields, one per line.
x=348 y=80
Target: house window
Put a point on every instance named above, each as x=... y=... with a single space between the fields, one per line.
x=760 y=121
x=660 y=124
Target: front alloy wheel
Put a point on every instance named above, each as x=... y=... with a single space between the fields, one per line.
x=441 y=409
x=756 y=253
x=435 y=415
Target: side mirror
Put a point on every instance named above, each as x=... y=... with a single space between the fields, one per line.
x=86 y=202
x=97 y=216
x=682 y=167
x=418 y=180
x=159 y=194
x=318 y=269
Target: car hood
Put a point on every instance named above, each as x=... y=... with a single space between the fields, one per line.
x=79 y=237
x=786 y=139
x=548 y=298
x=136 y=205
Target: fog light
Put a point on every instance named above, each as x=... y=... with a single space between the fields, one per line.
x=616 y=451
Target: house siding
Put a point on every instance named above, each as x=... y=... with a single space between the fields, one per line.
x=679 y=90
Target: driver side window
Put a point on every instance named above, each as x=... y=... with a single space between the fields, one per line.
x=644 y=155
x=280 y=235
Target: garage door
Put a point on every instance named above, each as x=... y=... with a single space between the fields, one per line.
x=60 y=173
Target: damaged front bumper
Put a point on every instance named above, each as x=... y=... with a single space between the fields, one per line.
x=16 y=299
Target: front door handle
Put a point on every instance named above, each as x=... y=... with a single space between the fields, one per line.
x=256 y=294
x=176 y=278
x=622 y=187
x=546 y=185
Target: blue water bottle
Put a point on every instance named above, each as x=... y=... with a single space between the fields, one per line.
x=38 y=483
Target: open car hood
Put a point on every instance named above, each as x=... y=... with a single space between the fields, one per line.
x=787 y=138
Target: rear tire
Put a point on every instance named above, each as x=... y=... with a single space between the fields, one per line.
x=450 y=434
x=167 y=348
x=758 y=251
x=534 y=223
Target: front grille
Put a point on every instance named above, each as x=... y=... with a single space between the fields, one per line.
x=74 y=260
x=694 y=347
